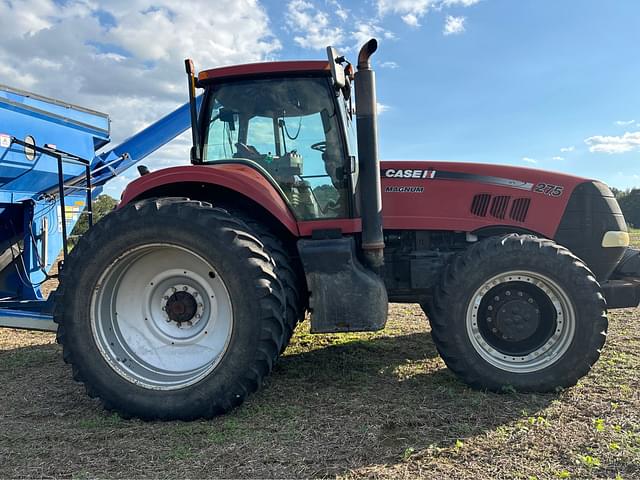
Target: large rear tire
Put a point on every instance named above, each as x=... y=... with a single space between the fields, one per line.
x=170 y=309
x=519 y=312
x=290 y=277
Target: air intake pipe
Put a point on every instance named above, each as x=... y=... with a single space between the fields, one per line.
x=369 y=163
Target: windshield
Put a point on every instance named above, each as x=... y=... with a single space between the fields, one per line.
x=290 y=127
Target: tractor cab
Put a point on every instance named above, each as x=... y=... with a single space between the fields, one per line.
x=291 y=126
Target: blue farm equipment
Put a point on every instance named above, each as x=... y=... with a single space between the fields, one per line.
x=49 y=172
x=177 y=304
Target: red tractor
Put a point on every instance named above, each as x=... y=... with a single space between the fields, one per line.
x=177 y=304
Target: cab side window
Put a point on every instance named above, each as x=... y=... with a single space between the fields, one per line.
x=291 y=128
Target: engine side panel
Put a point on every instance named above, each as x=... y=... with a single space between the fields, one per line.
x=469 y=197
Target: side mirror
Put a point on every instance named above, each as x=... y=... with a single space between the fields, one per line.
x=337 y=71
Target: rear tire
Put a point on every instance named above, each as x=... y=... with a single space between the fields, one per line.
x=170 y=309
x=290 y=278
x=519 y=312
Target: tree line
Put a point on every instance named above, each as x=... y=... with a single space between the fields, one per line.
x=629 y=201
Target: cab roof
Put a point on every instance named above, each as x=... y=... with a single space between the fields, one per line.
x=265 y=69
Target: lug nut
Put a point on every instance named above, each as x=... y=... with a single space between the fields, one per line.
x=507 y=293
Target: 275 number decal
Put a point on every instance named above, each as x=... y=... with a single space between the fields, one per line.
x=549 y=189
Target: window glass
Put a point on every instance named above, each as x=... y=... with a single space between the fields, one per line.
x=222 y=135
x=290 y=127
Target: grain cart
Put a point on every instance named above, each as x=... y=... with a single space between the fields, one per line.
x=177 y=304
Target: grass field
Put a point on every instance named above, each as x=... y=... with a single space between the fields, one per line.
x=377 y=405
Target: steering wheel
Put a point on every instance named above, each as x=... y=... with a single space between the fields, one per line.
x=319 y=146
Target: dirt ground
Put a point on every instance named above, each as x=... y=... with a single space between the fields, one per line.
x=377 y=405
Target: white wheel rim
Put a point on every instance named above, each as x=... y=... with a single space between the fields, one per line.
x=561 y=328
x=161 y=316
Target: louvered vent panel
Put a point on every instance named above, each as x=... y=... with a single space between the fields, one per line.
x=499 y=206
x=480 y=204
x=519 y=209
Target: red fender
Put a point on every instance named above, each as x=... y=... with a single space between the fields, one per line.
x=239 y=178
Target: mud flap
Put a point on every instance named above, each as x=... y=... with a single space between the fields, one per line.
x=344 y=295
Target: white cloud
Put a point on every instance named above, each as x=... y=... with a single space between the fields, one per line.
x=454 y=25
x=567 y=149
x=366 y=31
x=381 y=108
x=132 y=67
x=311 y=26
x=529 y=160
x=315 y=28
x=558 y=158
x=339 y=10
x=411 y=19
x=390 y=65
x=614 y=144
x=463 y=3
x=411 y=11
x=624 y=123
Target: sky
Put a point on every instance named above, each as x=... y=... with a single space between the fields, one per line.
x=550 y=84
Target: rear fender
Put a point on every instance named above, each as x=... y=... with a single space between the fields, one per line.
x=239 y=178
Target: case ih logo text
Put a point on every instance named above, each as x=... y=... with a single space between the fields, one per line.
x=408 y=173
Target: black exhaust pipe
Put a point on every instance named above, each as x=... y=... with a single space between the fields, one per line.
x=369 y=163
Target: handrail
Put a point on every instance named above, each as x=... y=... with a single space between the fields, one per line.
x=61 y=156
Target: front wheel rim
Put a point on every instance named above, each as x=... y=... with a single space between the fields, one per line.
x=520 y=321
x=161 y=316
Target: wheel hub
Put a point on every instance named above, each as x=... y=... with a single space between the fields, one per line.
x=181 y=306
x=517 y=319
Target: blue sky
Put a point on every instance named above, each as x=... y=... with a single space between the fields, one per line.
x=550 y=84
x=526 y=83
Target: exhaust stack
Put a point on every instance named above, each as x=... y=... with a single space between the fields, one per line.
x=368 y=160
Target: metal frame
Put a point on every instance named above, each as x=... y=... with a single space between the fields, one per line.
x=61 y=157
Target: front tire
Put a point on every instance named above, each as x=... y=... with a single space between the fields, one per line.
x=170 y=309
x=519 y=312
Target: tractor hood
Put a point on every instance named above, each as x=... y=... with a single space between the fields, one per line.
x=468 y=197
